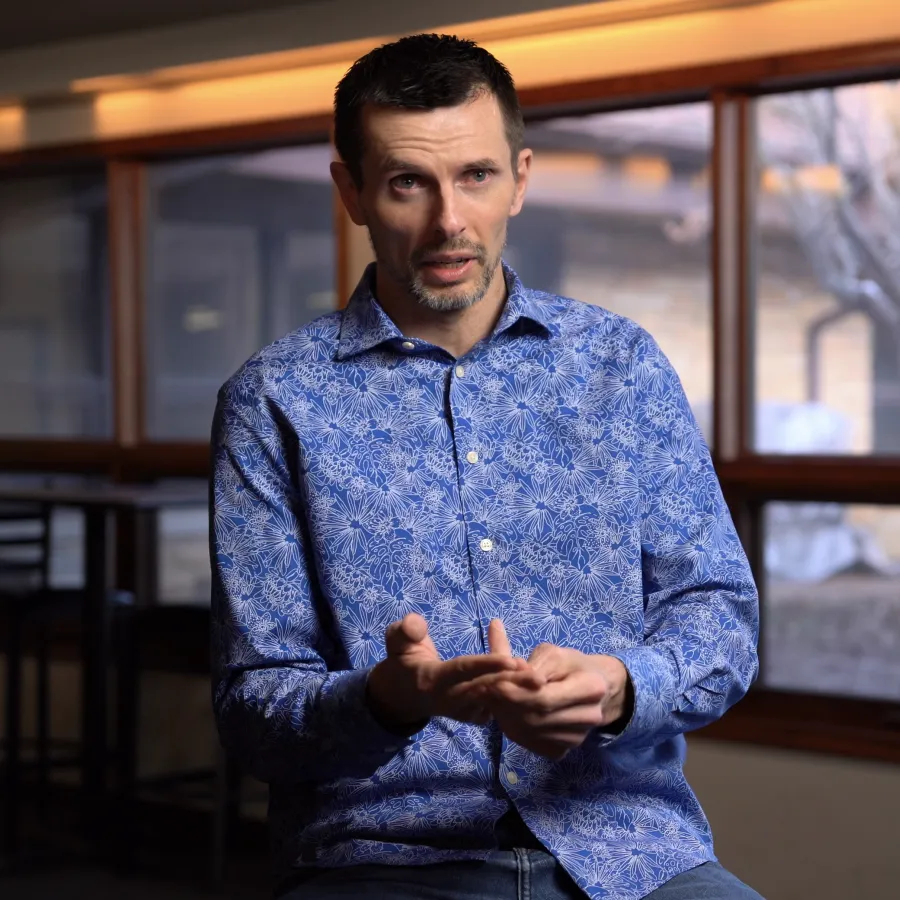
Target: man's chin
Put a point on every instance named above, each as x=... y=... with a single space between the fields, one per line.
x=447 y=299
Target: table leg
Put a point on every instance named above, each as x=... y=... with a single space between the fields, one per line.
x=95 y=663
x=10 y=804
x=137 y=554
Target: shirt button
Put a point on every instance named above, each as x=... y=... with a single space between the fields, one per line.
x=460 y=371
x=487 y=545
x=472 y=457
x=409 y=345
x=512 y=778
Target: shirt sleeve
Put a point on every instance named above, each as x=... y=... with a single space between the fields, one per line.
x=699 y=653
x=288 y=705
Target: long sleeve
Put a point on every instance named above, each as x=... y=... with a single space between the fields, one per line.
x=287 y=704
x=701 y=606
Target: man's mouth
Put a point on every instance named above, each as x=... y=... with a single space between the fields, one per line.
x=447 y=269
x=449 y=261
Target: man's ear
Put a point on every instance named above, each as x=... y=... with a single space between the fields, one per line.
x=523 y=170
x=348 y=190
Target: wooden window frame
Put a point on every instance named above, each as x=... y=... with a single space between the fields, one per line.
x=129 y=455
x=843 y=726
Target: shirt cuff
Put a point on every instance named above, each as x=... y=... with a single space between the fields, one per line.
x=653 y=683
x=351 y=729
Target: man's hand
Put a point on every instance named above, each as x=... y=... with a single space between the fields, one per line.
x=582 y=692
x=413 y=684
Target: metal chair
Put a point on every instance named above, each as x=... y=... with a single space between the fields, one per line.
x=175 y=639
x=28 y=608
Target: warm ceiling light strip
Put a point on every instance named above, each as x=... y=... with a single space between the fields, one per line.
x=702 y=36
x=206 y=104
x=558 y=57
x=12 y=127
x=543 y=23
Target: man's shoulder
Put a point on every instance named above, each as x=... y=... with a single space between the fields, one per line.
x=577 y=320
x=312 y=346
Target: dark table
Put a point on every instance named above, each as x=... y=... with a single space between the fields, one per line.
x=136 y=508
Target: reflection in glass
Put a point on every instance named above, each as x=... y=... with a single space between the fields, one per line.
x=54 y=359
x=241 y=253
x=184 y=575
x=828 y=271
x=832 y=617
x=617 y=214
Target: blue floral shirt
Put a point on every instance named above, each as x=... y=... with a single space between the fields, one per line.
x=554 y=478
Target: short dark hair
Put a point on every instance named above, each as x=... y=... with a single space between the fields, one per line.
x=421 y=71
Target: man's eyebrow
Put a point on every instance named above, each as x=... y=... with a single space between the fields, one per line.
x=485 y=162
x=397 y=164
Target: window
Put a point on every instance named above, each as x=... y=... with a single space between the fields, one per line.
x=184 y=573
x=618 y=214
x=242 y=251
x=828 y=271
x=240 y=248
x=832 y=591
x=54 y=354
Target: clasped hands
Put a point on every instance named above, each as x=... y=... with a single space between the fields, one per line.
x=547 y=703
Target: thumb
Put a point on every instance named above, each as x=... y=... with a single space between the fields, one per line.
x=497 y=639
x=405 y=634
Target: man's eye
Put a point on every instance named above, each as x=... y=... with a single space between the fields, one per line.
x=405 y=182
x=480 y=175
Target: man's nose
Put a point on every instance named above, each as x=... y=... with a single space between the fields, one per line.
x=448 y=220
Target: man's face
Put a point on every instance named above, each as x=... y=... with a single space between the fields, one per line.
x=438 y=189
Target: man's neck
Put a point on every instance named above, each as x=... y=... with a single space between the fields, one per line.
x=456 y=331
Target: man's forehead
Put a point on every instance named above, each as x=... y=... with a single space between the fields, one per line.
x=477 y=116
x=461 y=133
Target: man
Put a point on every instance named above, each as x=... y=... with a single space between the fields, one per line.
x=474 y=576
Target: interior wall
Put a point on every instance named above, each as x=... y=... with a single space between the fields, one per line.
x=798 y=826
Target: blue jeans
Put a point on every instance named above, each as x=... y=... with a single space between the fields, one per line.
x=505 y=875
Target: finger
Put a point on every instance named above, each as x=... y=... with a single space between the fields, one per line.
x=581 y=688
x=409 y=631
x=466 y=668
x=475 y=692
x=497 y=639
x=549 y=660
x=527 y=679
x=573 y=719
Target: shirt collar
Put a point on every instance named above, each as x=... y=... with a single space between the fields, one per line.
x=365 y=325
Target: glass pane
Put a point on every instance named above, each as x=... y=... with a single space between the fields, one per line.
x=54 y=353
x=242 y=251
x=184 y=575
x=828 y=271
x=67 y=548
x=617 y=214
x=832 y=618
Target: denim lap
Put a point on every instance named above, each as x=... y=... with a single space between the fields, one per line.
x=505 y=875
x=707 y=882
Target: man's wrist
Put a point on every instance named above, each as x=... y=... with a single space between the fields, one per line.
x=387 y=718
x=621 y=723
